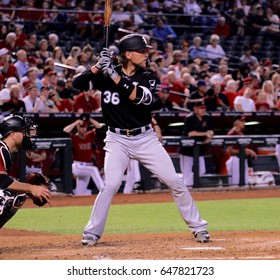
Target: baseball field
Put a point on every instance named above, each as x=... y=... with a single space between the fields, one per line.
x=244 y=225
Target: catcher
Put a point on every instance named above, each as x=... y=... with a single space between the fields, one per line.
x=16 y=132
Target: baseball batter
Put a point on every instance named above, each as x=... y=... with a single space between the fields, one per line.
x=127 y=95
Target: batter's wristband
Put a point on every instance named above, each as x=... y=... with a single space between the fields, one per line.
x=125 y=87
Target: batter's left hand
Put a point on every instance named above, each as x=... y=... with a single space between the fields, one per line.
x=109 y=69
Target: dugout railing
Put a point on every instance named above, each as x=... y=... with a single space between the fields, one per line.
x=171 y=144
x=221 y=142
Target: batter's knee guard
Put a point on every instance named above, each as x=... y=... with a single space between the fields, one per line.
x=10 y=202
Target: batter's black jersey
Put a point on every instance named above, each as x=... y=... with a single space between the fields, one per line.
x=193 y=123
x=118 y=111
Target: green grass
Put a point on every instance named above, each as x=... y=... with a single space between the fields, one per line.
x=244 y=214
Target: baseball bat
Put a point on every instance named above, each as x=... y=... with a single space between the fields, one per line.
x=65 y=66
x=107 y=20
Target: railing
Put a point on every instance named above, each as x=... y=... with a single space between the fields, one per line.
x=241 y=141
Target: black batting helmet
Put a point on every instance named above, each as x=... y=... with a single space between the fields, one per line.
x=133 y=42
x=15 y=123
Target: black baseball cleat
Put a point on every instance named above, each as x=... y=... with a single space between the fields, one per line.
x=138 y=188
x=202 y=236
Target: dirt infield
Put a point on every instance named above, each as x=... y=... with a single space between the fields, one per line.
x=25 y=245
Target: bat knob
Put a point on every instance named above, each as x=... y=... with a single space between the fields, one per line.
x=105 y=73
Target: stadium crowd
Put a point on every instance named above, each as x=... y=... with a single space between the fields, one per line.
x=33 y=50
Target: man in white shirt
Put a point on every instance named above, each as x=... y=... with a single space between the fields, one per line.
x=33 y=103
x=245 y=103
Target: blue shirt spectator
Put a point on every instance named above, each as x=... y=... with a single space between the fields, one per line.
x=163 y=31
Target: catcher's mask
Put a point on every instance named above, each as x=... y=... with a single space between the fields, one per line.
x=16 y=123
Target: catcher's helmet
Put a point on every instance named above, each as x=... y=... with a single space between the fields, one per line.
x=16 y=123
x=133 y=42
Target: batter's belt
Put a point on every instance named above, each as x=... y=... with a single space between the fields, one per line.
x=130 y=132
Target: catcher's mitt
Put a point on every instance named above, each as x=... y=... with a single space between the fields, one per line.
x=39 y=179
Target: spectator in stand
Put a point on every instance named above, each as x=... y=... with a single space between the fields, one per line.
x=211 y=10
x=83 y=167
x=42 y=54
x=7 y=68
x=53 y=40
x=276 y=82
x=83 y=59
x=15 y=104
x=248 y=59
x=162 y=103
x=21 y=64
x=32 y=75
x=245 y=103
x=5 y=92
x=198 y=126
x=50 y=106
x=233 y=163
x=257 y=20
x=189 y=82
x=65 y=89
x=199 y=94
x=119 y=16
x=222 y=28
x=89 y=51
x=185 y=51
x=49 y=63
x=219 y=77
x=85 y=102
x=192 y=8
x=273 y=26
x=216 y=100
x=196 y=50
x=62 y=104
x=176 y=87
x=269 y=91
x=214 y=50
x=231 y=92
x=261 y=102
x=97 y=19
x=247 y=82
x=31 y=45
x=9 y=42
x=50 y=79
x=59 y=57
x=176 y=63
x=3 y=31
x=33 y=103
x=72 y=58
x=163 y=32
x=20 y=36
